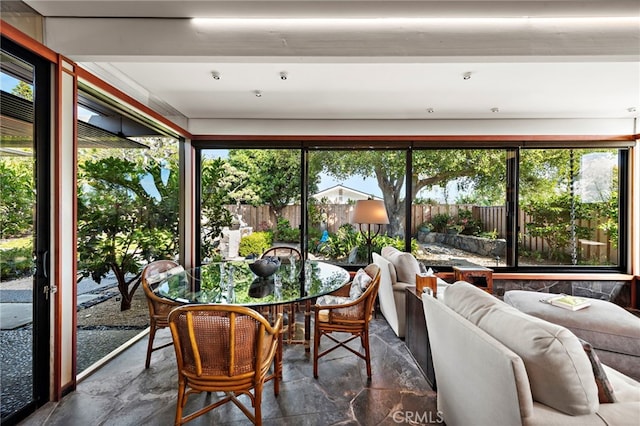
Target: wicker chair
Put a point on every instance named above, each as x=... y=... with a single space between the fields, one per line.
x=289 y=332
x=346 y=316
x=159 y=308
x=283 y=252
x=223 y=348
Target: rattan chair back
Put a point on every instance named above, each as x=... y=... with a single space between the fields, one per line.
x=284 y=253
x=224 y=348
x=352 y=316
x=159 y=307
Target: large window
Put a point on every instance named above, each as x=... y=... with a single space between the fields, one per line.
x=128 y=210
x=458 y=210
x=511 y=207
x=341 y=178
x=569 y=207
x=249 y=200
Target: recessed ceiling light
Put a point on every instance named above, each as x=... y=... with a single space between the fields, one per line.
x=495 y=109
x=215 y=75
x=258 y=93
x=283 y=75
x=430 y=110
x=466 y=76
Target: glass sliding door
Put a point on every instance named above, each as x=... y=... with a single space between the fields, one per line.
x=24 y=232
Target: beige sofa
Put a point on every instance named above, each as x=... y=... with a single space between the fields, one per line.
x=496 y=365
x=398 y=271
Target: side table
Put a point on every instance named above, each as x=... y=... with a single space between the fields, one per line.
x=477 y=275
x=416 y=335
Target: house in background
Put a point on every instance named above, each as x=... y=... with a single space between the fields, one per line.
x=340 y=194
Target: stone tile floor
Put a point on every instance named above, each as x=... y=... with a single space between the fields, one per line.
x=124 y=393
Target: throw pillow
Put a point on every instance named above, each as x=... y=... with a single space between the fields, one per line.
x=605 y=390
x=405 y=264
x=359 y=284
x=155 y=278
x=332 y=300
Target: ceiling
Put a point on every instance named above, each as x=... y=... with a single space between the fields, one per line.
x=360 y=59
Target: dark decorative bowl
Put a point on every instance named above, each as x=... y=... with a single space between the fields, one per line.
x=265 y=267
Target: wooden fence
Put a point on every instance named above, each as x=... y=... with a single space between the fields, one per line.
x=494 y=218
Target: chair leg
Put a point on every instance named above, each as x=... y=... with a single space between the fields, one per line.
x=307 y=326
x=180 y=402
x=316 y=345
x=257 y=403
x=277 y=367
x=367 y=356
x=152 y=335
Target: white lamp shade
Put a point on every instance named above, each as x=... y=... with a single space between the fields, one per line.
x=370 y=211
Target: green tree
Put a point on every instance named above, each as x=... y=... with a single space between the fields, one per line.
x=18 y=197
x=273 y=174
x=430 y=167
x=23 y=90
x=127 y=217
x=551 y=220
x=222 y=184
x=548 y=182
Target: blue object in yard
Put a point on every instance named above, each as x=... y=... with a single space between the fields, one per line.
x=325 y=237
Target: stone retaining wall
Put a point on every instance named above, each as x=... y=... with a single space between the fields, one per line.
x=469 y=243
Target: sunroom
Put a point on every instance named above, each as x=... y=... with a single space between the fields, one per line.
x=494 y=141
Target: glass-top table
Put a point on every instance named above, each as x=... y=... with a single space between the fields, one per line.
x=211 y=283
x=232 y=282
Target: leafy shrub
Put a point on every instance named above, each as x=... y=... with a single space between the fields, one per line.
x=314 y=236
x=382 y=241
x=551 y=221
x=18 y=198
x=16 y=263
x=470 y=225
x=463 y=223
x=440 y=222
x=342 y=242
x=285 y=233
x=254 y=244
x=347 y=238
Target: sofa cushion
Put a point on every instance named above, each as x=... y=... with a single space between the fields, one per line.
x=406 y=265
x=392 y=271
x=387 y=298
x=625 y=388
x=559 y=371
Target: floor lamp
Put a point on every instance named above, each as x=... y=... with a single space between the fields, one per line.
x=371 y=213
